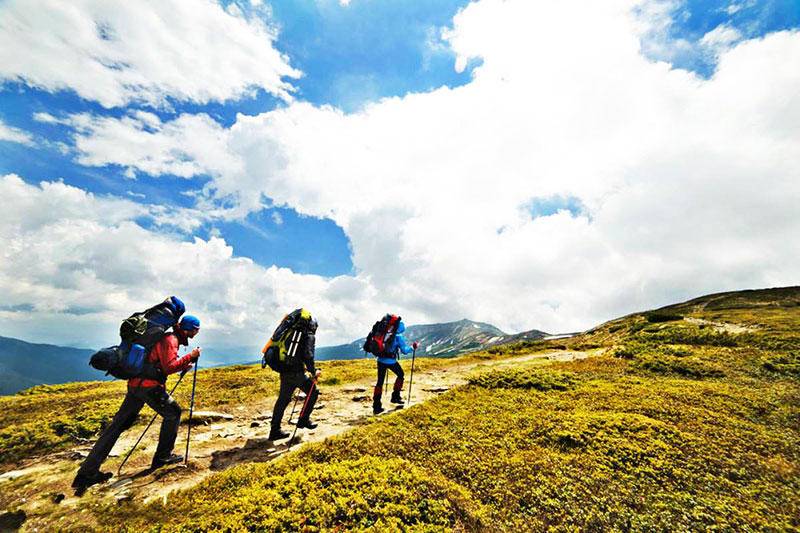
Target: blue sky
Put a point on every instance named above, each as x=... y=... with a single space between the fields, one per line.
x=338 y=141
x=349 y=55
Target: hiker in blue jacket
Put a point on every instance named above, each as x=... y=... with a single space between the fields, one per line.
x=389 y=361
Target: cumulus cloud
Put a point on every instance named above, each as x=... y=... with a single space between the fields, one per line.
x=720 y=39
x=14 y=135
x=79 y=264
x=188 y=146
x=665 y=163
x=147 y=51
x=680 y=185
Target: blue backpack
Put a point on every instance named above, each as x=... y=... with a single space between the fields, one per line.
x=139 y=333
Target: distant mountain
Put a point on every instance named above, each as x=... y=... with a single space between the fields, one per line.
x=23 y=365
x=439 y=340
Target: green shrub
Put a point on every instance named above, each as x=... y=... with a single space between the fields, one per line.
x=524 y=379
x=787 y=363
x=364 y=494
x=662 y=316
x=694 y=336
x=631 y=349
x=681 y=366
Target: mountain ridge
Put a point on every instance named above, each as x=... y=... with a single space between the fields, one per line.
x=443 y=339
x=26 y=364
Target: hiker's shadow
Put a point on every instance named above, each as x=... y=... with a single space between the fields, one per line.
x=255 y=450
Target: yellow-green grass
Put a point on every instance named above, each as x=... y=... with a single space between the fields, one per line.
x=49 y=418
x=668 y=436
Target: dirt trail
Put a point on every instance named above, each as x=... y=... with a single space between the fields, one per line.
x=225 y=443
x=721 y=326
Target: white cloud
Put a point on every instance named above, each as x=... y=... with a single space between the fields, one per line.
x=15 y=135
x=720 y=39
x=144 y=51
x=667 y=164
x=45 y=118
x=188 y=146
x=690 y=184
x=84 y=265
x=277 y=218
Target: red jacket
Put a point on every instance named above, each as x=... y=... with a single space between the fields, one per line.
x=164 y=355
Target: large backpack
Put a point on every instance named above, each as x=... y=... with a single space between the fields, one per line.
x=283 y=350
x=139 y=333
x=382 y=336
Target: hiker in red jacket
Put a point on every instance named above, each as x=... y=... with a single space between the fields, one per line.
x=164 y=356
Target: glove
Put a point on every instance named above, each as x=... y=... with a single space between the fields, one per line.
x=414 y=345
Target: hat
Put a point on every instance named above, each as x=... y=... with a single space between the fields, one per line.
x=189 y=323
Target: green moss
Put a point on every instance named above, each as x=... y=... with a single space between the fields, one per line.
x=666 y=364
x=662 y=316
x=365 y=494
x=524 y=379
x=787 y=363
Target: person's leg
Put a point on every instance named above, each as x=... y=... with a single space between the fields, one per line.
x=124 y=418
x=377 y=392
x=398 y=382
x=166 y=406
x=284 y=398
x=304 y=419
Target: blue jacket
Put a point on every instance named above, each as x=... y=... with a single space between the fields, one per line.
x=397 y=346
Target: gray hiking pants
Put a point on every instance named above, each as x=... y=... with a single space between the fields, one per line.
x=289 y=382
x=160 y=401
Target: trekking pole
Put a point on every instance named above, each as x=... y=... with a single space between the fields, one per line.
x=191 y=410
x=303 y=410
x=411 y=379
x=180 y=378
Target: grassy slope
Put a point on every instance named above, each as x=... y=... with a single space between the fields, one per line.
x=683 y=427
x=50 y=418
x=680 y=426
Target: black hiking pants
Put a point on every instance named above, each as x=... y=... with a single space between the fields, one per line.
x=160 y=401
x=289 y=382
x=398 y=371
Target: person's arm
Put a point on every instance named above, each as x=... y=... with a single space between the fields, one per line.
x=401 y=344
x=311 y=343
x=168 y=355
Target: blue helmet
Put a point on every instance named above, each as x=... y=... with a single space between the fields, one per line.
x=189 y=323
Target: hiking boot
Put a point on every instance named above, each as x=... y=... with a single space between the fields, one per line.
x=277 y=434
x=377 y=408
x=306 y=423
x=173 y=458
x=84 y=481
x=396 y=397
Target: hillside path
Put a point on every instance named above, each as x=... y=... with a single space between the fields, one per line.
x=222 y=444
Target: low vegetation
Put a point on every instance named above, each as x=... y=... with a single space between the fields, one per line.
x=670 y=430
x=680 y=424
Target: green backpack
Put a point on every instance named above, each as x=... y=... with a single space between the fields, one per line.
x=283 y=350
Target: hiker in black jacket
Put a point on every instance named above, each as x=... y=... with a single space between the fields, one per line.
x=292 y=372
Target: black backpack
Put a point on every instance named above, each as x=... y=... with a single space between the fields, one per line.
x=147 y=327
x=139 y=333
x=284 y=349
x=382 y=335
